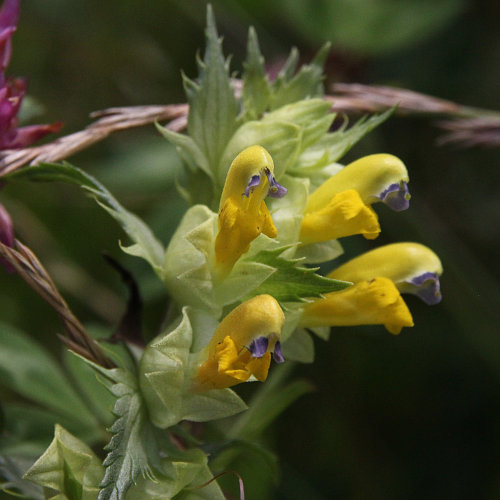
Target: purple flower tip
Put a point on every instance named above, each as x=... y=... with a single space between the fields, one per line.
x=275 y=190
x=396 y=196
x=6 y=234
x=278 y=354
x=9 y=15
x=258 y=347
x=427 y=287
x=253 y=182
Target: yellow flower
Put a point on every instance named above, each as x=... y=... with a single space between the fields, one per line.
x=341 y=206
x=242 y=345
x=243 y=213
x=412 y=267
x=374 y=302
x=379 y=276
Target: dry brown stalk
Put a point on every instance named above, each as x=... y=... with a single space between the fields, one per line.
x=108 y=121
x=27 y=265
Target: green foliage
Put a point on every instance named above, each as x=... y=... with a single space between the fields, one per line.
x=68 y=467
x=212 y=105
x=132 y=450
x=329 y=148
x=291 y=282
x=145 y=244
x=166 y=379
x=289 y=86
x=12 y=481
x=26 y=368
x=256 y=86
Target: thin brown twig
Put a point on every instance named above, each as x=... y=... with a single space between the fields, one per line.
x=484 y=130
x=27 y=265
x=108 y=121
x=466 y=127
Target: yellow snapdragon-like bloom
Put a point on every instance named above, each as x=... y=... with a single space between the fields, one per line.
x=243 y=213
x=374 y=302
x=412 y=267
x=378 y=278
x=242 y=345
x=341 y=206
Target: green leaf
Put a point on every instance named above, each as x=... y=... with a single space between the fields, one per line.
x=181 y=471
x=92 y=390
x=188 y=150
x=68 y=466
x=26 y=368
x=132 y=451
x=285 y=133
x=256 y=87
x=12 y=482
x=145 y=245
x=333 y=146
x=213 y=107
x=166 y=379
x=307 y=83
x=292 y=282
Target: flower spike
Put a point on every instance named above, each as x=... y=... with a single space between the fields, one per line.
x=242 y=345
x=341 y=205
x=243 y=213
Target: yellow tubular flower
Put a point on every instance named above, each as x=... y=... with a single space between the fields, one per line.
x=243 y=213
x=242 y=345
x=374 y=302
x=412 y=267
x=341 y=205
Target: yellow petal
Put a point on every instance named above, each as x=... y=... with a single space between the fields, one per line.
x=375 y=302
x=237 y=229
x=369 y=176
x=398 y=262
x=344 y=215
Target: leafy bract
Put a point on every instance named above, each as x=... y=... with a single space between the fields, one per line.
x=189 y=266
x=285 y=133
x=132 y=451
x=256 y=87
x=332 y=146
x=182 y=471
x=167 y=369
x=145 y=244
x=69 y=467
x=290 y=87
x=213 y=108
x=292 y=282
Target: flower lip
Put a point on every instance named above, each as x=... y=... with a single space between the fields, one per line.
x=277 y=353
x=258 y=347
x=427 y=287
x=275 y=190
x=396 y=196
x=252 y=183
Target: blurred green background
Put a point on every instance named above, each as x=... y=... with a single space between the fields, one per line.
x=407 y=417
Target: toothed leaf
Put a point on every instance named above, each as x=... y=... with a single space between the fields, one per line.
x=213 y=107
x=291 y=282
